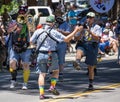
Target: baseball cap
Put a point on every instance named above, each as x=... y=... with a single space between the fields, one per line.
x=50 y=19
x=90 y=14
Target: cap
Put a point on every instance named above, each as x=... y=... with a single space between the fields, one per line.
x=50 y=19
x=90 y=14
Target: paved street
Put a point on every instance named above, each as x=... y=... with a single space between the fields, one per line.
x=74 y=86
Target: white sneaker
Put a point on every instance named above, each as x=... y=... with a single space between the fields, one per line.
x=24 y=87
x=13 y=84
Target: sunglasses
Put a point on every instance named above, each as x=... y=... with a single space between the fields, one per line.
x=89 y=17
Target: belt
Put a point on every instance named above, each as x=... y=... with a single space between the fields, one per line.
x=45 y=52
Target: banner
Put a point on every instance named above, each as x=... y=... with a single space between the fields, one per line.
x=101 y=6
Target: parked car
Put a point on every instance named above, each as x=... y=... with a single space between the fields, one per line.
x=82 y=3
x=45 y=10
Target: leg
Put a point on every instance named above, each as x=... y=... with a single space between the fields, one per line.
x=25 y=58
x=62 y=47
x=54 y=79
x=41 y=83
x=79 y=54
x=13 y=72
x=26 y=75
x=91 y=77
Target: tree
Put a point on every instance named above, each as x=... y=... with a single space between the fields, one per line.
x=6 y=2
x=12 y=7
x=31 y=2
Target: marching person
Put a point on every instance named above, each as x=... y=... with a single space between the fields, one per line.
x=47 y=39
x=63 y=28
x=19 y=41
x=87 y=45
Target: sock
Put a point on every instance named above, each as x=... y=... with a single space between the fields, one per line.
x=41 y=90
x=53 y=82
x=26 y=74
x=90 y=81
x=13 y=73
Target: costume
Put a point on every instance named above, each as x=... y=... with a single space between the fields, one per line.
x=18 y=44
x=47 y=54
x=87 y=46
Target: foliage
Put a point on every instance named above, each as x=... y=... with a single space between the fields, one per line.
x=12 y=7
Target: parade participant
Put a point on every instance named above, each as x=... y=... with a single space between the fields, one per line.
x=47 y=39
x=87 y=45
x=19 y=41
x=63 y=28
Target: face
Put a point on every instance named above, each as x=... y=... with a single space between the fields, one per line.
x=90 y=20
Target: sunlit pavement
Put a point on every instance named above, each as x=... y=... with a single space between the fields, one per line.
x=74 y=86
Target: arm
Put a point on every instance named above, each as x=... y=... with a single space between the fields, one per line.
x=64 y=32
x=71 y=35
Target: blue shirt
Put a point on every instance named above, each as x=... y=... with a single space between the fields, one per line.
x=65 y=27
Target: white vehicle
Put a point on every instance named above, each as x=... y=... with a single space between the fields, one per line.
x=45 y=10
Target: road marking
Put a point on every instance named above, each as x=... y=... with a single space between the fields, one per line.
x=82 y=94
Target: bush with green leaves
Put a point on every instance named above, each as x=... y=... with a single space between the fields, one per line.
x=12 y=7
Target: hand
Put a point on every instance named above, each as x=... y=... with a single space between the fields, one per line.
x=88 y=30
x=78 y=28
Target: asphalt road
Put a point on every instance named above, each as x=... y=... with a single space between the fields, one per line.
x=72 y=89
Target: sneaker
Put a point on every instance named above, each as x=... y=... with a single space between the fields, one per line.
x=42 y=97
x=24 y=87
x=13 y=84
x=76 y=65
x=54 y=91
x=90 y=87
